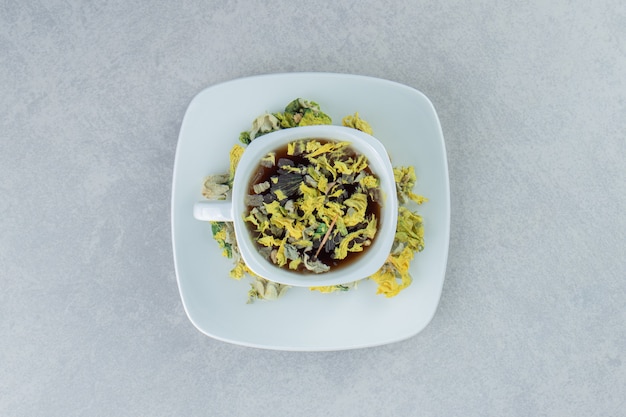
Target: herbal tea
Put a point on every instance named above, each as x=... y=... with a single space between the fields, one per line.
x=313 y=205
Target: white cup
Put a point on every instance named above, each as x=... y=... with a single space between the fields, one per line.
x=234 y=210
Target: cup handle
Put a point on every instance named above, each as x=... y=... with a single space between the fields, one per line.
x=213 y=210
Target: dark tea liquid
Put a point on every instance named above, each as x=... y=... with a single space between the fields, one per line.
x=262 y=174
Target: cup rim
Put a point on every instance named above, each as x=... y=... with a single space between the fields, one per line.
x=380 y=164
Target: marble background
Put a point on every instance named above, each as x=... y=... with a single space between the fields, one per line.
x=532 y=102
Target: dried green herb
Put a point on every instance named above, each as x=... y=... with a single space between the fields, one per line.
x=299 y=112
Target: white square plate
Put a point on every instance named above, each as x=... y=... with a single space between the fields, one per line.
x=404 y=120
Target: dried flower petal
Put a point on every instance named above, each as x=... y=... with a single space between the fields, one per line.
x=317 y=184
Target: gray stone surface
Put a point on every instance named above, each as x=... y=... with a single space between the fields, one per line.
x=532 y=101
